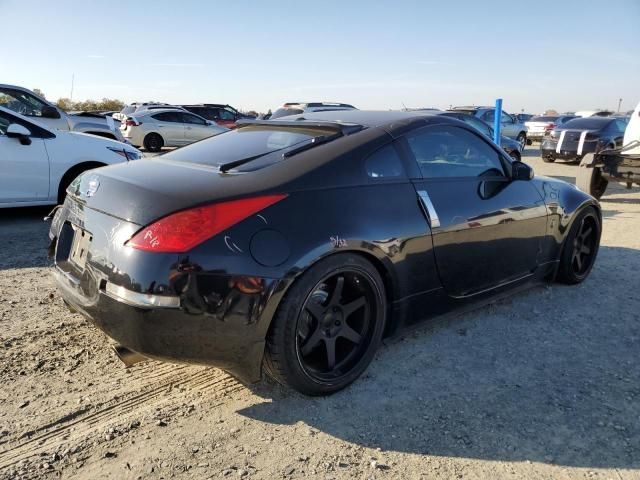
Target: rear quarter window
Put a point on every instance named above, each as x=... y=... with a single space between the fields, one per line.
x=384 y=164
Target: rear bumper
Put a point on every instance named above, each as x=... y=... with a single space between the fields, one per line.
x=569 y=149
x=163 y=306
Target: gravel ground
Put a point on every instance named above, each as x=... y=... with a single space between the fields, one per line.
x=543 y=385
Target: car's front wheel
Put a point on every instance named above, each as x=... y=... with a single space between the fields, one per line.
x=328 y=326
x=522 y=140
x=153 y=142
x=580 y=247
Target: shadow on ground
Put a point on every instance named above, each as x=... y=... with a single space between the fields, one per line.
x=540 y=377
x=24 y=237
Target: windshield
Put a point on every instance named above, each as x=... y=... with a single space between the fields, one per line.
x=21 y=102
x=587 y=123
x=245 y=142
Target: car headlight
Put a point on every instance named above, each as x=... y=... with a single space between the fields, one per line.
x=126 y=153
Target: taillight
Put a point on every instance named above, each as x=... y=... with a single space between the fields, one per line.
x=550 y=126
x=181 y=231
x=130 y=122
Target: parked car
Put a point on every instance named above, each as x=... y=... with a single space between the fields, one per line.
x=27 y=103
x=296 y=245
x=167 y=127
x=523 y=117
x=538 y=126
x=509 y=126
x=224 y=115
x=512 y=147
x=613 y=165
x=579 y=136
x=38 y=163
x=135 y=107
x=296 y=108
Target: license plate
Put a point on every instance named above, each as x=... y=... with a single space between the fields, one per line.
x=80 y=247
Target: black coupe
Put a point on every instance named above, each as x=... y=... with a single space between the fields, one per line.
x=296 y=245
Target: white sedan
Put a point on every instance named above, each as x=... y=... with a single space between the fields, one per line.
x=37 y=164
x=155 y=128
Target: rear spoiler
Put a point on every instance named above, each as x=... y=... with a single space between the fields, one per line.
x=339 y=127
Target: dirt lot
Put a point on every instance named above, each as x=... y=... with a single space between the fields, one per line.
x=544 y=385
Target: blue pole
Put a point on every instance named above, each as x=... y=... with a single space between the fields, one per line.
x=496 y=121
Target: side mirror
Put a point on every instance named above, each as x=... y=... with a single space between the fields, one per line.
x=521 y=171
x=49 y=112
x=15 y=130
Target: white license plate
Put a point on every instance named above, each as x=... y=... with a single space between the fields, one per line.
x=80 y=247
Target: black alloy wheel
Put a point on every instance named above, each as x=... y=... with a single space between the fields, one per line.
x=153 y=142
x=324 y=339
x=581 y=247
x=522 y=140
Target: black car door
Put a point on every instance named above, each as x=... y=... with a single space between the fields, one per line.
x=487 y=229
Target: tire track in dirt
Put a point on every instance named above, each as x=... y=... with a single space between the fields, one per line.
x=168 y=385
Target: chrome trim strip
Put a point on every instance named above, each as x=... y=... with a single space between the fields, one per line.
x=140 y=299
x=431 y=211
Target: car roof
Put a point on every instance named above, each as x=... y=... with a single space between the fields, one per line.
x=392 y=121
x=153 y=111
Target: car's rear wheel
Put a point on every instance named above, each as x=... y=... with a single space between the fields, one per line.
x=580 y=247
x=153 y=142
x=590 y=180
x=328 y=326
x=522 y=140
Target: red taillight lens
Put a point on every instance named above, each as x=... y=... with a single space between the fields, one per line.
x=131 y=123
x=181 y=231
x=550 y=126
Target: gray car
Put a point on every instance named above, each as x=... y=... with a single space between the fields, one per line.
x=509 y=125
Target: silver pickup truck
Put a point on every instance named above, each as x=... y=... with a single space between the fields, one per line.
x=27 y=103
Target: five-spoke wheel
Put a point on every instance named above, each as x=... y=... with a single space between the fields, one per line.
x=328 y=327
x=581 y=247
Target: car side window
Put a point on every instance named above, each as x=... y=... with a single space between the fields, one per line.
x=226 y=115
x=21 y=102
x=446 y=151
x=478 y=125
x=489 y=116
x=505 y=118
x=5 y=121
x=168 y=117
x=384 y=163
x=192 y=119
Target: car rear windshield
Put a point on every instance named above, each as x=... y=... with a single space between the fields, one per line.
x=262 y=141
x=548 y=118
x=587 y=123
x=283 y=112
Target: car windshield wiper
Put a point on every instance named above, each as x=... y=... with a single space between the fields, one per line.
x=225 y=167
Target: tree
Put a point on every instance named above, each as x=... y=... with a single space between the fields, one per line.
x=86 y=105
x=39 y=92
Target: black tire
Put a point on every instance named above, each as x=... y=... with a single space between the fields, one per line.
x=304 y=326
x=153 y=142
x=591 y=181
x=529 y=141
x=580 y=248
x=548 y=158
x=515 y=155
x=522 y=140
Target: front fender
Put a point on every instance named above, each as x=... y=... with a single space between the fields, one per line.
x=564 y=201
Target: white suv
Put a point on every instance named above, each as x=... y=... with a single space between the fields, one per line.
x=37 y=163
x=296 y=108
x=167 y=127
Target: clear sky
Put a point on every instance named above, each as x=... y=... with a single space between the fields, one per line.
x=567 y=55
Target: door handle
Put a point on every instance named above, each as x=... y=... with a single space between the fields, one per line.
x=429 y=209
